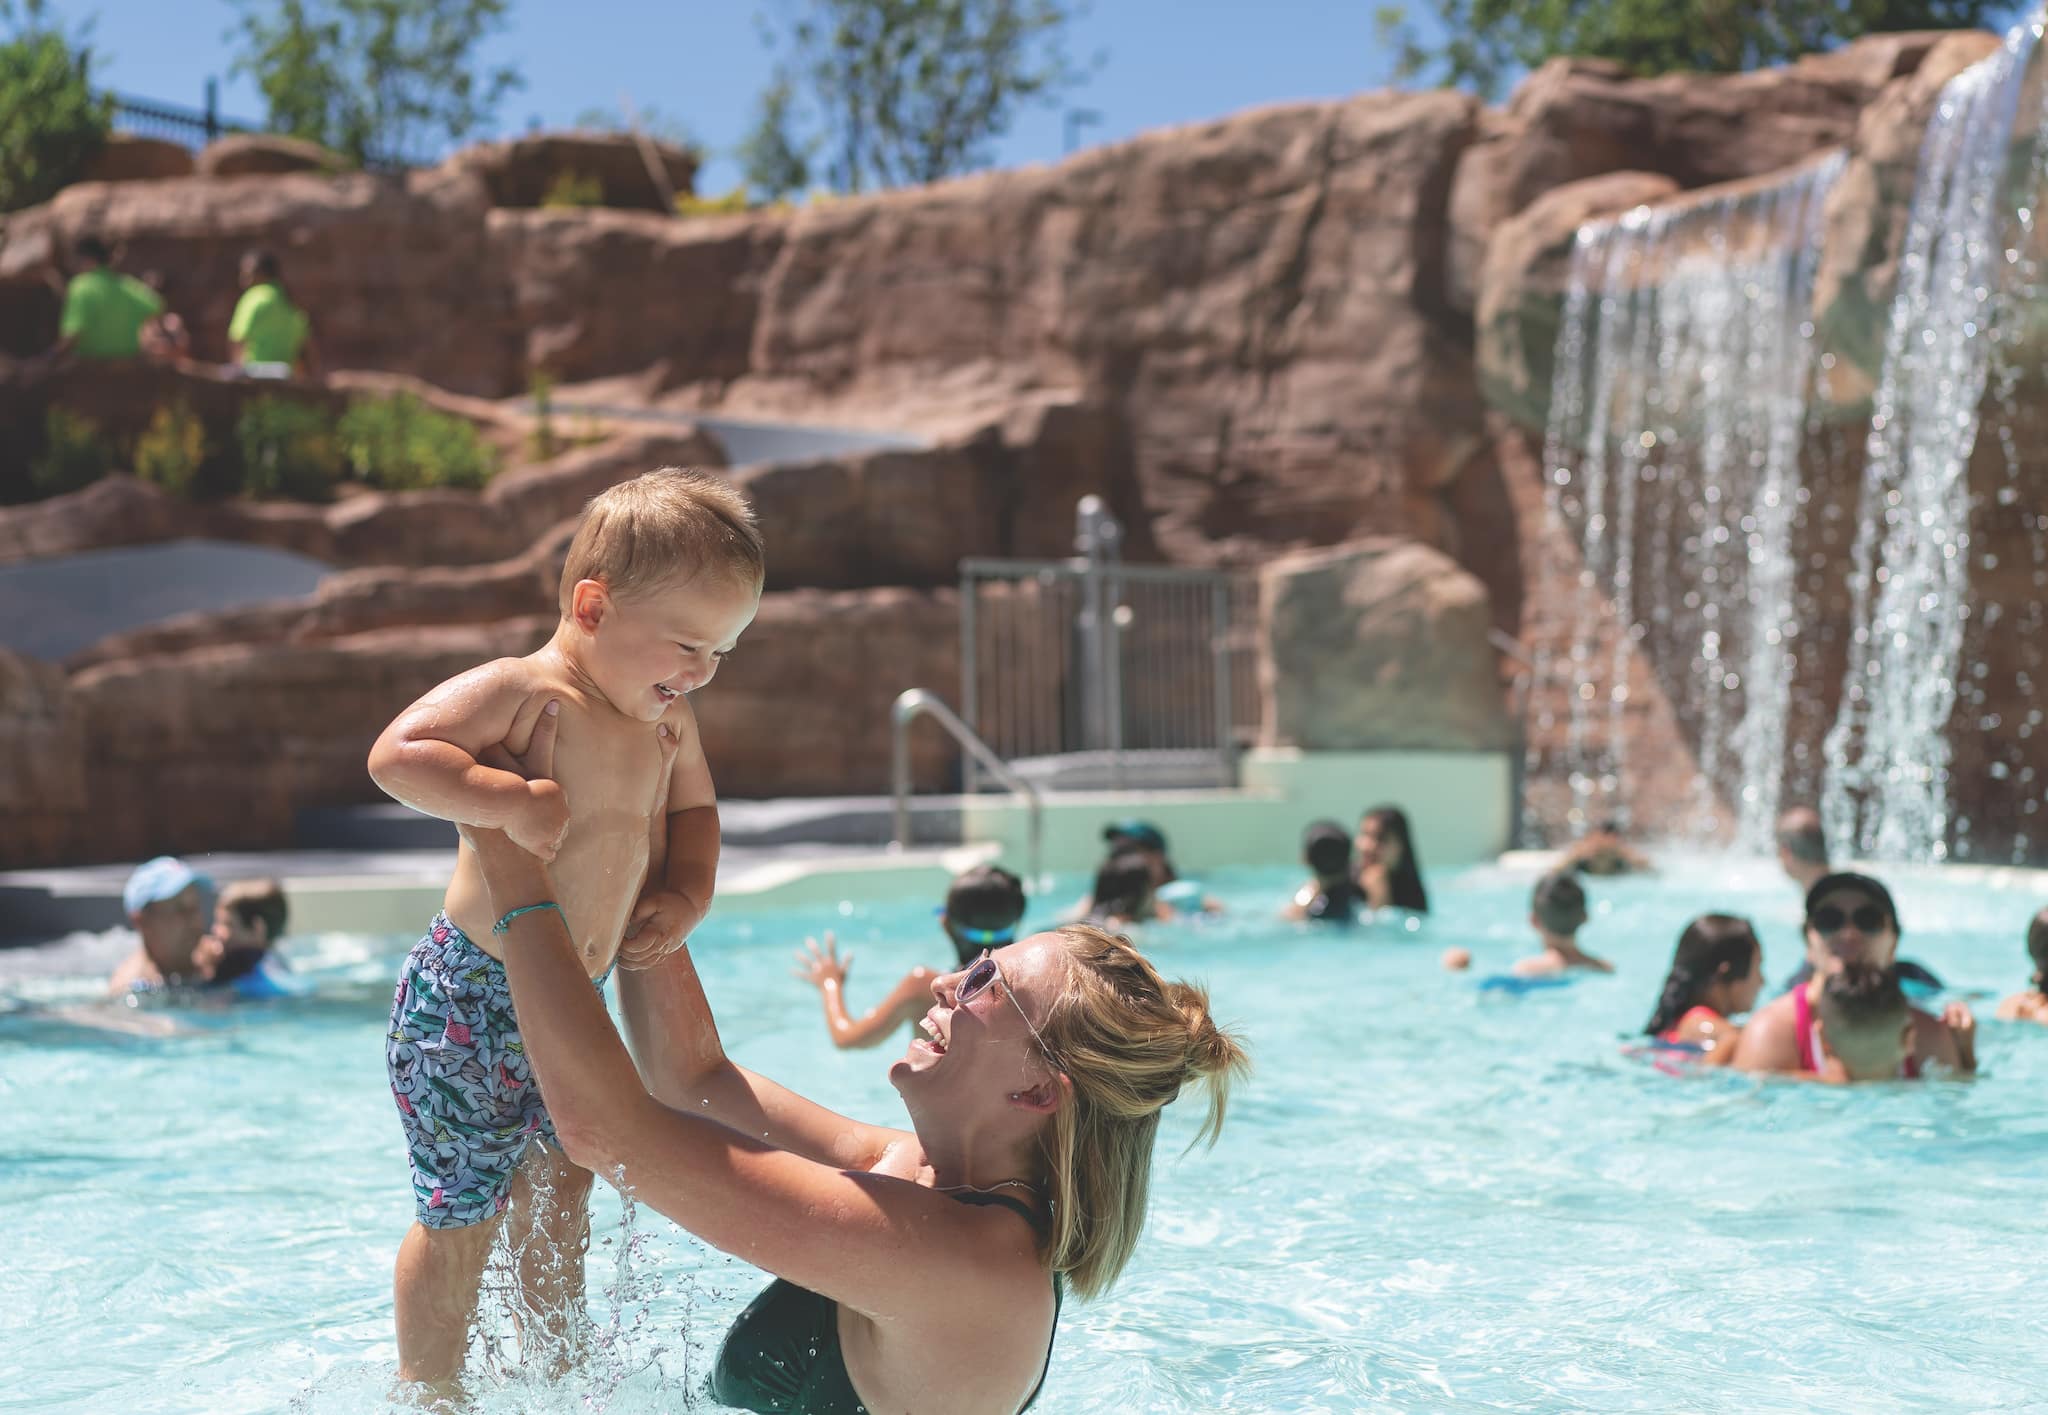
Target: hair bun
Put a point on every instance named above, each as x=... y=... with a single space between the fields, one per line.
x=1214 y=1054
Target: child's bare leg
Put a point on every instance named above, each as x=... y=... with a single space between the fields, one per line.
x=435 y=1294
x=549 y=1233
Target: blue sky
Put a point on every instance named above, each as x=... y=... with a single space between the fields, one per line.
x=702 y=62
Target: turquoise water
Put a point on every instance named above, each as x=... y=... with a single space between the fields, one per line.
x=1428 y=1198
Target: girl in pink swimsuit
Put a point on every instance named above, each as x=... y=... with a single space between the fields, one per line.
x=1716 y=974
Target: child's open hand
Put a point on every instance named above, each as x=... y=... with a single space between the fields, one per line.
x=819 y=967
x=656 y=928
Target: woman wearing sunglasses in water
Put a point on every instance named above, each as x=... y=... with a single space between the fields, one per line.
x=1850 y=918
x=1034 y=1096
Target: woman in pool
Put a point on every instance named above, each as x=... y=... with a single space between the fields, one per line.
x=917 y=1270
x=1388 y=871
x=2032 y=1005
x=1850 y=919
x=1125 y=893
x=1715 y=977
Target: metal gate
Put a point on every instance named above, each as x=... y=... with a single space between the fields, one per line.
x=1090 y=673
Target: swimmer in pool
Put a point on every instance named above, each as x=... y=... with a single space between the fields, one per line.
x=982 y=909
x=1850 y=918
x=2032 y=1005
x=1604 y=851
x=248 y=919
x=1388 y=870
x=1332 y=895
x=1715 y=977
x=1124 y=893
x=1557 y=909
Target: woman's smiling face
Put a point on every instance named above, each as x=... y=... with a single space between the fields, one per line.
x=979 y=1051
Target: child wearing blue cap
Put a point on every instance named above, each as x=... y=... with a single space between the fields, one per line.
x=168 y=904
x=584 y=753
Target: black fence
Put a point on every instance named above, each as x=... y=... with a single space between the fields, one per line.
x=196 y=127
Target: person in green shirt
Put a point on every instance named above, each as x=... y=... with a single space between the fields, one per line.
x=106 y=313
x=267 y=327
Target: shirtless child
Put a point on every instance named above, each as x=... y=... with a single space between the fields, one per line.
x=1557 y=908
x=662 y=577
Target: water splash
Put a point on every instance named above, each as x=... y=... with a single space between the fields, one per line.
x=1889 y=753
x=1685 y=361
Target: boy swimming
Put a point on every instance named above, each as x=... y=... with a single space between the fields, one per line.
x=663 y=576
x=1557 y=910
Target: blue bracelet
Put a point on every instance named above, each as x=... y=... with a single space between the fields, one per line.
x=504 y=925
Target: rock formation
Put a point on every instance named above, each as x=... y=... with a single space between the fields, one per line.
x=1298 y=326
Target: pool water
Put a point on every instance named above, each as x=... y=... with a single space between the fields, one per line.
x=1429 y=1197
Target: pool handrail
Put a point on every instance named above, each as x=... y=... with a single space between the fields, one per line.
x=913 y=703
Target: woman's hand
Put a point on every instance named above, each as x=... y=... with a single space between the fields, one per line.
x=819 y=967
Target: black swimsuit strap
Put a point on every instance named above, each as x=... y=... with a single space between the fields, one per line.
x=1030 y=1216
x=1014 y=1205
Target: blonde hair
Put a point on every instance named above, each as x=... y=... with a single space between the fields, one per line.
x=1128 y=1040
x=666 y=525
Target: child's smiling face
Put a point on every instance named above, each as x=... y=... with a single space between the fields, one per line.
x=646 y=650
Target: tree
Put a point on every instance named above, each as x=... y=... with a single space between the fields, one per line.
x=51 y=122
x=1486 y=42
x=376 y=80
x=775 y=161
x=906 y=91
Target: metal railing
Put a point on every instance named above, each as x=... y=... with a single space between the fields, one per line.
x=196 y=127
x=1092 y=672
x=915 y=703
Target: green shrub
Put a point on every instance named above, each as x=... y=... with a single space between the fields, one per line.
x=51 y=121
x=172 y=449
x=540 y=390
x=75 y=454
x=288 y=449
x=690 y=204
x=401 y=444
x=573 y=189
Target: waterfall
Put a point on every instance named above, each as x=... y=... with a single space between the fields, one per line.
x=1889 y=752
x=1685 y=360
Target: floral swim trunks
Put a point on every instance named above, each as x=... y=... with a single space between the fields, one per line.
x=466 y=1094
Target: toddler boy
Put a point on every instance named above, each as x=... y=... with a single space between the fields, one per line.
x=662 y=577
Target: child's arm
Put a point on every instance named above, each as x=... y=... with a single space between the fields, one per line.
x=825 y=970
x=428 y=757
x=670 y=908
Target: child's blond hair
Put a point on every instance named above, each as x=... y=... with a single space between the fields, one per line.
x=667 y=525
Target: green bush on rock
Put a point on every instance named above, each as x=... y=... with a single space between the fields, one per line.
x=75 y=454
x=401 y=444
x=172 y=449
x=288 y=449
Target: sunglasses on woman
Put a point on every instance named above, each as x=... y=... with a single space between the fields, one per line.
x=1827 y=919
x=982 y=974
